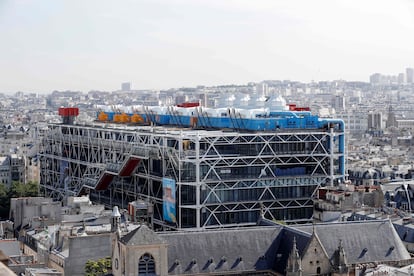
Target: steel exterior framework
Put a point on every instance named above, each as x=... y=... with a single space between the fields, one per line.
x=223 y=178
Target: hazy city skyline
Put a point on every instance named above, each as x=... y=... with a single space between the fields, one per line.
x=77 y=45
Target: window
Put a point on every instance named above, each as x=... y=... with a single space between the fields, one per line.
x=404 y=206
x=146 y=265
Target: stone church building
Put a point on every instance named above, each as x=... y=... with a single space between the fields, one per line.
x=268 y=249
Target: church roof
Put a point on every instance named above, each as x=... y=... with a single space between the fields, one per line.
x=406 y=232
x=247 y=249
x=267 y=248
x=285 y=246
x=365 y=241
x=142 y=236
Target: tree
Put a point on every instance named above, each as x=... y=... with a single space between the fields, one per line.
x=99 y=267
x=3 y=190
x=32 y=189
x=4 y=201
x=16 y=189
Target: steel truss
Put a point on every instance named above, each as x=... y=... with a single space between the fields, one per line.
x=223 y=178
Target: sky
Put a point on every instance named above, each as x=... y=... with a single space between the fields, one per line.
x=80 y=45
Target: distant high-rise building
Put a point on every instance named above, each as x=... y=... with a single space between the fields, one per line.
x=126 y=86
x=262 y=89
x=375 y=121
x=375 y=78
x=401 y=78
x=339 y=103
x=392 y=79
x=410 y=75
x=391 y=121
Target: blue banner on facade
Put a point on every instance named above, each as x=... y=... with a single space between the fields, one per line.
x=168 y=197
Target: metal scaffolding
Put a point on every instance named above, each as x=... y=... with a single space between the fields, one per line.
x=223 y=177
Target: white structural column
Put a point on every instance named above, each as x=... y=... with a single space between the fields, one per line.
x=198 y=182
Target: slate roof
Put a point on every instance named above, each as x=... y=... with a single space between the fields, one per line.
x=365 y=241
x=405 y=232
x=231 y=250
x=267 y=248
x=142 y=236
x=286 y=245
x=10 y=247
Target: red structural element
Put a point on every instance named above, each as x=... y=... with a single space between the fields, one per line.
x=188 y=104
x=68 y=114
x=302 y=109
x=130 y=166
x=322 y=193
x=68 y=111
x=131 y=209
x=293 y=107
x=104 y=181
